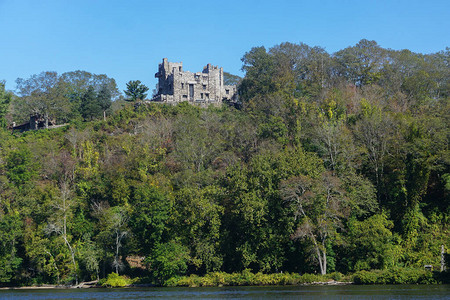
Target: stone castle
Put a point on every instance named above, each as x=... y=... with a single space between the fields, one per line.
x=204 y=88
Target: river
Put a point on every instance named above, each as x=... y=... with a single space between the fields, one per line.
x=284 y=292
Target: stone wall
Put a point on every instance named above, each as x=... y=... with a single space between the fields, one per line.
x=206 y=87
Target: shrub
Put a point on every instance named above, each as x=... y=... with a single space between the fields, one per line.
x=243 y=278
x=168 y=260
x=336 y=276
x=115 y=280
x=310 y=278
x=394 y=276
x=366 y=277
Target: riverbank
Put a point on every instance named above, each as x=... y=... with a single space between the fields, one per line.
x=82 y=285
x=247 y=278
x=144 y=285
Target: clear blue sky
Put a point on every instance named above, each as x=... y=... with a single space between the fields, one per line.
x=127 y=39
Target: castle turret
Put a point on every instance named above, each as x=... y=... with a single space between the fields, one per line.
x=206 y=87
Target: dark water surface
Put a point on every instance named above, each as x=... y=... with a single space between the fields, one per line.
x=290 y=292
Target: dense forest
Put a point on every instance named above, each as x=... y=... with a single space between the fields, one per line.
x=329 y=162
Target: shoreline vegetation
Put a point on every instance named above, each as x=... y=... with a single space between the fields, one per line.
x=247 y=278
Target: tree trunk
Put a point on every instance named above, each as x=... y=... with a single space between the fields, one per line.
x=117 y=253
x=46 y=121
x=64 y=233
x=324 y=263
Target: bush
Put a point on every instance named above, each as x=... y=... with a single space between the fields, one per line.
x=168 y=260
x=395 y=276
x=366 y=277
x=115 y=280
x=244 y=278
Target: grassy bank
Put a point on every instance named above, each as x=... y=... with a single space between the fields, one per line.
x=400 y=276
x=247 y=278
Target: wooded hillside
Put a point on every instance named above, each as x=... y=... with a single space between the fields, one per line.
x=330 y=162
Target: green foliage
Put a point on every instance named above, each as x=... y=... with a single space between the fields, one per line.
x=5 y=100
x=361 y=64
x=246 y=278
x=369 y=244
x=199 y=218
x=136 y=90
x=274 y=129
x=168 y=260
x=230 y=79
x=150 y=216
x=115 y=280
x=20 y=166
x=395 y=276
x=338 y=161
x=90 y=107
x=65 y=97
x=10 y=233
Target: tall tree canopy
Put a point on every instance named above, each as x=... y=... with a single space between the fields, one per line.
x=136 y=90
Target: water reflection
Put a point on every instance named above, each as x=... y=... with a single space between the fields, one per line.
x=291 y=292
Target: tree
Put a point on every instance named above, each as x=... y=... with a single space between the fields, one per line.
x=198 y=218
x=10 y=233
x=320 y=204
x=63 y=211
x=104 y=99
x=5 y=100
x=118 y=222
x=259 y=67
x=230 y=79
x=113 y=223
x=362 y=63
x=44 y=94
x=20 y=166
x=150 y=216
x=374 y=131
x=63 y=206
x=168 y=260
x=78 y=82
x=90 y=106
x=369 y=244
x=335 y=140
x=256 y=222
x=135 y=90
x=310 y=67
x=197 y=141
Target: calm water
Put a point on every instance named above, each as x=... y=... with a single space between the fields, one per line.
x=297 y=292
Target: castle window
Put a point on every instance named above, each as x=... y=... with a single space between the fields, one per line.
x=191 y=91
x=201 y=95
x=227 y=92
x=207 y=96
x=204 y=87
x=179 y=68
x=182 y=85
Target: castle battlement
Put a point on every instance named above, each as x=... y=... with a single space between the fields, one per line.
x=206 y=87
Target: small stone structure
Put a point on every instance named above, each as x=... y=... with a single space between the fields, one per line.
x=36 y=122
x=204 y=88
